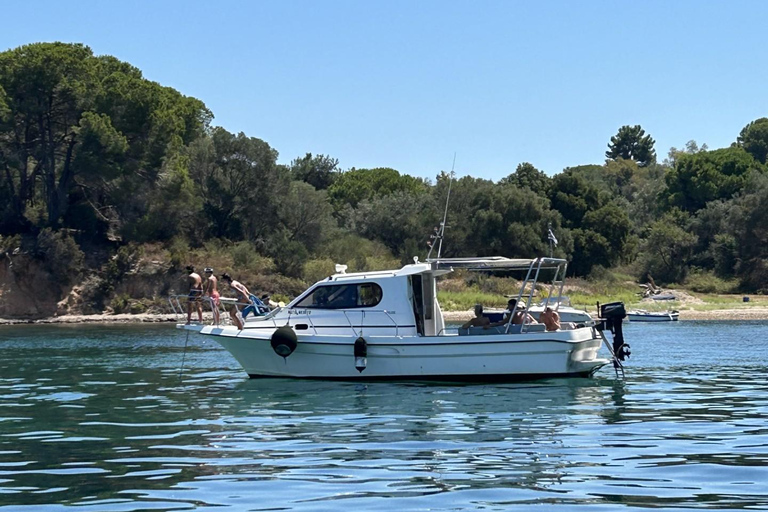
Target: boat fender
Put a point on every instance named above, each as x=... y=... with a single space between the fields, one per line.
x=284 y=341
x=361 y=354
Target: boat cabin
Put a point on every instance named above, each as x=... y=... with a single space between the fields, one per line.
x=404 y=300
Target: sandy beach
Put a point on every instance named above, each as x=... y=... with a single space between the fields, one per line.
x=749 y=313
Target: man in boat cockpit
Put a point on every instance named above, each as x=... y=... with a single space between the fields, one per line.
x=479 y=320
x=521 y=315
x=550 y=318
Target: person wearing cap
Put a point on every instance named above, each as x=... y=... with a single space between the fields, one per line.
x=520 y=315
x=211 y=290
x=479 y=320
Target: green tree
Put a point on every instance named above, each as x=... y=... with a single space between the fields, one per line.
x=399 y=220
x=320 y=171
x=749 y=227
x=173 y=207
x=632 y=143
x=528 y=176
x=573 y=196
x=305 y=214
x=708 y=224
x=668 y=248
x=691 y=148
x=707 y=176
x=355 y=185
x=80 y=130
x=239 y=183
x=644 y=199
x=613 y=223
x=619 y=177
x=509 y=221
x=590 y=249
x=754 y=139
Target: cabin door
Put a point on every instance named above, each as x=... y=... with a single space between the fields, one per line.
x=417 y=298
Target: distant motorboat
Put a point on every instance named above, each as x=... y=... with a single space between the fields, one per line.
x=641 y=315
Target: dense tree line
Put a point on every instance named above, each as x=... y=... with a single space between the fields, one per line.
x=92 y=154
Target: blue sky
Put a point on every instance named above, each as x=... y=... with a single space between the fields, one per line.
x=406 y=84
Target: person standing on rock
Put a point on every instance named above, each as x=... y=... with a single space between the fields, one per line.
x=195 y=298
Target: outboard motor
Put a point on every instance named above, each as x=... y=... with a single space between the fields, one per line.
x=612 y=315
x=284 y=341
x=361 y=354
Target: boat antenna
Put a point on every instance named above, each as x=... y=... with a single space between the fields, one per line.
x=440 y=232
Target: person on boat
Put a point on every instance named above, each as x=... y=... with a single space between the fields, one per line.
x=195 y=297
x=243 y=297
x=211 y=290
x=550 y=318
x=479 y=320
x=521 y=315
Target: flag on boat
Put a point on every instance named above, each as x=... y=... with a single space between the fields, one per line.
x=551 y=236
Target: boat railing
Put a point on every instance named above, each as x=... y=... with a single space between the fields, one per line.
x=294 y=315
x=180 y=303
x=531 y=278
x=362 y=320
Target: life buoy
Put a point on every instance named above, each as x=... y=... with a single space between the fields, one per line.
x=284 y=341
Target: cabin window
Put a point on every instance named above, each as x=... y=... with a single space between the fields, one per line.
x=342 y=296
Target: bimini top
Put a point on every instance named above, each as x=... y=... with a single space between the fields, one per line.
x=495 y=263
x=446 y=265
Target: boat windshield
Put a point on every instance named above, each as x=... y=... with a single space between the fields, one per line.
x=342 y=296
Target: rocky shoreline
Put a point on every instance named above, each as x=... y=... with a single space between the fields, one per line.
x=753 y=313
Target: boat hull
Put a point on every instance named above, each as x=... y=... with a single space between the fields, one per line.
x=450 y=357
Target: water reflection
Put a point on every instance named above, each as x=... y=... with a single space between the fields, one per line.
x=107 y=423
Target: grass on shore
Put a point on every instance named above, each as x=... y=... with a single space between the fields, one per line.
x=587 y=295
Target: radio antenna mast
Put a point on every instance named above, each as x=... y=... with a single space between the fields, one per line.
x=440 y=232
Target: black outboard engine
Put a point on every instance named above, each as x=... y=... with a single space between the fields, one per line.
x=612 y=315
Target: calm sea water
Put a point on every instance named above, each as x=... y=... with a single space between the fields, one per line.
x=99 y=418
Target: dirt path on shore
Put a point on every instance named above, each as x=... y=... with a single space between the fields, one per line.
x=757 y=313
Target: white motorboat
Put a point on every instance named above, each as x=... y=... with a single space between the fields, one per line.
x=641 y=315
x=389 y=325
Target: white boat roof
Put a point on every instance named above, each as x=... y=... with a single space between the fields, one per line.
x=496 y=263
x=407 y=270
x=445 y=265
